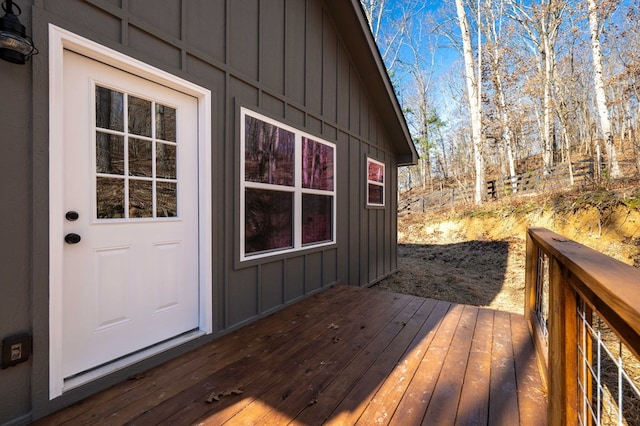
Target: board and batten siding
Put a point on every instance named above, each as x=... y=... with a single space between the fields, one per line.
x=285 y=59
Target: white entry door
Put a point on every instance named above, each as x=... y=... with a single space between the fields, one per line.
x=130 y=214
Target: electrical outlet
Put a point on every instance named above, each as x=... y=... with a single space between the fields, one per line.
x=15 y=349
x=16 y=352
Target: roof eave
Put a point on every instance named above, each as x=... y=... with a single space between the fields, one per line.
x=356 y=35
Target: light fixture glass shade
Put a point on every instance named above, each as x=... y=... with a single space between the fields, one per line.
x=14 y=42
x=15 y=45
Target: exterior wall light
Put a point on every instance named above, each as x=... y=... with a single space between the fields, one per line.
x=15 y=45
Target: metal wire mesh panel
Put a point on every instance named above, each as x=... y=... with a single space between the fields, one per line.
x=609 y=374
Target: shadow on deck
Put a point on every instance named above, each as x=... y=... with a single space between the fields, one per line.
x=344 y=356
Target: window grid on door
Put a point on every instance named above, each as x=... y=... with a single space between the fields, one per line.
x=136 y=152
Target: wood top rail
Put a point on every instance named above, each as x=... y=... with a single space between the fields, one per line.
x=575 y=272
x=615 y=285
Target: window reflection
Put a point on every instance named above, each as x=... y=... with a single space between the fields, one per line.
x=140 y=198
x=167 y=199
x=375 y=183
x=376 y=194
x=317 y=165
x=109 y=198
x=109 y=153
x=269 y=153
x=165 y=123
x=165 y=160
x=139 y=116
x=141 y=152
x=268 y=220
x=376 y=172
x=109 y=109
x=317 y=214
x=140 y=158
x=288 y=183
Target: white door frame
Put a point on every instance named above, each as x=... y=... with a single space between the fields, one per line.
x=60 y=40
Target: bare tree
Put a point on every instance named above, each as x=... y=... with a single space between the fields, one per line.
x=388 y=22
x=627 y=51
x=473 y=94
x=418 y=66
x=598 y=83
x=541 y=23
x=493 y=27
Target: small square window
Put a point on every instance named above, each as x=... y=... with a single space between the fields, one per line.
x=375 y=183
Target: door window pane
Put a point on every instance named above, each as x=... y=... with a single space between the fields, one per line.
x=165 y=160
x=317 y=165
x=165 y=123
x=140 y=159
x=140 y=198
x=268 y=220
x=167 y=199
x=109 y=109
x=139 y=116
x=317 y=214
x=109 y=153
x=269 y=153
x=144 y=157
x=109 y=198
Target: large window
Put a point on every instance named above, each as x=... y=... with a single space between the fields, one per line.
x=375 y=183
x=288 y=189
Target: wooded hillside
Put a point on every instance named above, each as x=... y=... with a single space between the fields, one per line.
x=556 y=80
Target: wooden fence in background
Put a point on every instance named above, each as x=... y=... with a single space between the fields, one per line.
x=559 y=176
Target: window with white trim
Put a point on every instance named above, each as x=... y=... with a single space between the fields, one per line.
x=136 y=157
x=288 y=188
x=375 y=183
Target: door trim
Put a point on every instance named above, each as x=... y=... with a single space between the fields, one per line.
x=60 y=40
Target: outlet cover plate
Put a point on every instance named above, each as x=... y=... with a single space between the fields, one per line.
x=15 y=350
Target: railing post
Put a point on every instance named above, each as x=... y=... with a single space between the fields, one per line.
x=563 y=357
x=530 y=294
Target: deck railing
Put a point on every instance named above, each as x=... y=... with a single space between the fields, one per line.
x=583 y=309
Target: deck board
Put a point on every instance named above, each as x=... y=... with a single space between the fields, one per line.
x=344 y=356
x=474 y=398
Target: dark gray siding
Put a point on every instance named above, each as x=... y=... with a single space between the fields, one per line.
x=15 y=230
x=282 y=58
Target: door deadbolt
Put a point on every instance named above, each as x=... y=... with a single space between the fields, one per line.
x=72 y=238
x=72 y=216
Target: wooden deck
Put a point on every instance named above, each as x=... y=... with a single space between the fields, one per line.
x=345 y=356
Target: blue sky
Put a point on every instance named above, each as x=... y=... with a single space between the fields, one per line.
x=446 y=57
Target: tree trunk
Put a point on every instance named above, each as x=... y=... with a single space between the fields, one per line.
x=473 y=86
x=601 y=97
x=547 y=112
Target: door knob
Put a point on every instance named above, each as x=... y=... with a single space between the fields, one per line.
x=72 y=238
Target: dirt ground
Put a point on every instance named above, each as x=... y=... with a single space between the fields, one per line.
x=448 y=266
x=479 y=259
